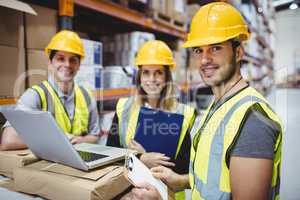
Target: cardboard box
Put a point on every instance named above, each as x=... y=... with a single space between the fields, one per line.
x=179 y=5
x=41 y=28
x=37 y=69
x=136 y=39
x=55 y=181
x=170 y=8
x=115 y=77
x=12 y=29
x=89 y=77
x=12 y=82
x=93 y=52
x=7 y=183
x=10 y=192
x=13 y=159
x=159 y=6
x=118 y=39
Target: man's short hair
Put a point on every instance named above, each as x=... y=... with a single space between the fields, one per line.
x=235 y=42
x=52 y=54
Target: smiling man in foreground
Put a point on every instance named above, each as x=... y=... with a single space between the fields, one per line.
x=236 y=152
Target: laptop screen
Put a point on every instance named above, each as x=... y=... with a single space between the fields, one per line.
x=89 y=157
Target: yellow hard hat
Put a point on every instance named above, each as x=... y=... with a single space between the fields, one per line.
x=214 y=23
x=155 y=52
x=67 y=41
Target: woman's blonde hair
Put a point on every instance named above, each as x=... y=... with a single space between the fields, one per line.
x=167 y=99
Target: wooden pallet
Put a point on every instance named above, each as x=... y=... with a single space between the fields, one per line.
x=178 y=23
x=133 y=4
x=161 y=17
x=179 y=20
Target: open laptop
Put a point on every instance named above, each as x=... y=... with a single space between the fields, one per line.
x=46 y=140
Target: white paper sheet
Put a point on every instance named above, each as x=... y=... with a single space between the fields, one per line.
x=138 y=172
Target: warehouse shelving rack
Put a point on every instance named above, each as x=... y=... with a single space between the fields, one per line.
x=135 y=20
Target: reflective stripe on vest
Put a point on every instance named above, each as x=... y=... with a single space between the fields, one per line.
x=52 y=103
x=42 y=94
x=215 y=183
x=128 y=111
x=124 y=112
x=189 y=116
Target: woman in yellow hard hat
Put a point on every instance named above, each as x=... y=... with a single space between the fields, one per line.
x=72 y=106
x=155 y=90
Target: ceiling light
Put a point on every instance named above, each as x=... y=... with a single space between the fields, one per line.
x=293 y=6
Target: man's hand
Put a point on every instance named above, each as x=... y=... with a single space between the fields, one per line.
x=81 y=139
x=145 y=191
x=175 y=182
x=76 y=139
x=136 y=146
x=156 y=159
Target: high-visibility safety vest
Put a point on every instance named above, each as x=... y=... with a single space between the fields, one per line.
x=127 y=112
x=209 y=172
x=51 y=102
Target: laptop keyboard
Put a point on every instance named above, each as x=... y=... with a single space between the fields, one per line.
x=89 y=157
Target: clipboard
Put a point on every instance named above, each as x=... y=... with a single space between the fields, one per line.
x=137 y=172
x=159 y=131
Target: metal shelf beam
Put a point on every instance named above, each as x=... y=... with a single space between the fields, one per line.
x=129 y=15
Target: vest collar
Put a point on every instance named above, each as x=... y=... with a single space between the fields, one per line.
x=59 y=92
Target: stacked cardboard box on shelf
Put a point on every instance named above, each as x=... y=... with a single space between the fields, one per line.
x=119 y=64
x=118 y=77
x=89 y=77
x=170 y=12
x=89 y=74
x=169 y=8
x=160 y=7
x=39 y=31
x=12 y=54
x=121 y=49
x=180 y=58
x=178 y=8
x=93 y=52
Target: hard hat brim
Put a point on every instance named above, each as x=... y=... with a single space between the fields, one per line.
x=138 y=64
x=210 y=41
x=47 y=51
x=213 y=40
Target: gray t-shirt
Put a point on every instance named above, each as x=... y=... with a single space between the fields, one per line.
x=30 y=100
x=257 y=137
